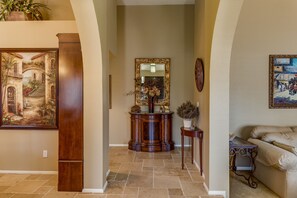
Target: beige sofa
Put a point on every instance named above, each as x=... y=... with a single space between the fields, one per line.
x=276 y=163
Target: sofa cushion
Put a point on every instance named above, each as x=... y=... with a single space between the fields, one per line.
x=288 y=138
x=259 y=131
x=284 y=140
x=289 y=148
x=270 y=155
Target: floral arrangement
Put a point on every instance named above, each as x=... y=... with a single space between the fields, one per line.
x=188 y=110
x=28 y=7
x=151 y=91
x=147 y=88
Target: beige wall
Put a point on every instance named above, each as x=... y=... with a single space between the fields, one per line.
x=271 y=29
x=151 y=31
x=59 y=10
x=22 y=149
x=112 y=26
x=205 y=13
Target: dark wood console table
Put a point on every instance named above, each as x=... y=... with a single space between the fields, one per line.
x=151 y=132
x=195 y=132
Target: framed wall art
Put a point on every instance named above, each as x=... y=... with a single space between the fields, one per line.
x=282 y=81
x=29 y=88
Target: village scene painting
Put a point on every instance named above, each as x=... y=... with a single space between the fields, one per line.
x=283 y=81
x=28 y=88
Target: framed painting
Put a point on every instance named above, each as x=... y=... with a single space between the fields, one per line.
x=29 y=88
x=282 y=81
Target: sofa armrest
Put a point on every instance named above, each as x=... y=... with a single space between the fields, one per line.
x=270 y=155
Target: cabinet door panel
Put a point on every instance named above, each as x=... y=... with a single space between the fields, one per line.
x=70 y=113
x=70 y=176
x=151 y=132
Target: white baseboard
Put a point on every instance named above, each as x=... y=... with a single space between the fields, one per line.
x=95 y=190
x=210 y=192
x=118 y=145
x=179 y=145
x=28 y=172
x=223 y=193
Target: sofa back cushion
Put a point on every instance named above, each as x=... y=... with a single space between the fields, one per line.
x=259 y=131
x=284 y=140
x=289 y=138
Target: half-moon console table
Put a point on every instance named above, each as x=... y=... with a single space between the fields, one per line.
x=151 y=132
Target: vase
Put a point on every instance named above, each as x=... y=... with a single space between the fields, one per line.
x=187 y=123
x=16 y=16
x=151 y=104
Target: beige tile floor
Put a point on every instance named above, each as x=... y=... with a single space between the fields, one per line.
x=132 y=175
x=240 y=189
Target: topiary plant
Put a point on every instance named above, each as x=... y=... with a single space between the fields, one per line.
x=188 y=110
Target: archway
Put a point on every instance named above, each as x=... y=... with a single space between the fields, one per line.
x=95 y=58
x=95 y=61
x=225 y=26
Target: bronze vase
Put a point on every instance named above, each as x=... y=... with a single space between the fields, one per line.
x=151 y=104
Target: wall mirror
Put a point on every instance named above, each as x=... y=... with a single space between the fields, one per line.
x=149 y=73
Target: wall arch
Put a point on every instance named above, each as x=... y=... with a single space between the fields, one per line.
x=224 y=30
x=94 y=152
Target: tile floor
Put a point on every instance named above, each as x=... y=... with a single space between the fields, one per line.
x=132 y=175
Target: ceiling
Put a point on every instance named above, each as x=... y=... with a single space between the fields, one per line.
x=155 y=2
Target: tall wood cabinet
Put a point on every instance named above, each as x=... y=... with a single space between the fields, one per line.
x=70 y=173
x=151 y=132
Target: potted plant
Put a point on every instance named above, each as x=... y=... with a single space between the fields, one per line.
x=21 y=10
x=188 y=111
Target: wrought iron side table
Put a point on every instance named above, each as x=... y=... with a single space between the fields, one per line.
x=240 y=147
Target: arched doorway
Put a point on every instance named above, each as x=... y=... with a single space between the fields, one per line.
x=95 y=130
x=11 y=101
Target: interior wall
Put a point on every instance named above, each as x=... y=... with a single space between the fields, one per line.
x=271 y=29
x=148 y=32
x=58 y=10
x=112 y=26
x=205 y=14
x=22 y=149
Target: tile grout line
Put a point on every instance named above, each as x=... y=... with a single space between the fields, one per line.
x=134 y=156
x=48 y=191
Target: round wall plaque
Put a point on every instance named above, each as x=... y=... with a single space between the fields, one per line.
x=199 y=74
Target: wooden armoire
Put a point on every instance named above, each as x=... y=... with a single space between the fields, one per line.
x=70 y=167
